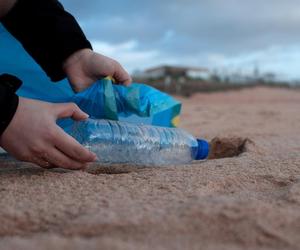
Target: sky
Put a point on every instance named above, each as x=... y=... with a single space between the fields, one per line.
x=224 y=35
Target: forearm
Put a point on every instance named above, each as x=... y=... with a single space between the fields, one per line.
x=47 y=32
x=6 y=6
x=8 y=99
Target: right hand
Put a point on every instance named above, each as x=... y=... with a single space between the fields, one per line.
x=84 y=67
x=33 y=135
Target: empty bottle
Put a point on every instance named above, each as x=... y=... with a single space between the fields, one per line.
x=122 y=142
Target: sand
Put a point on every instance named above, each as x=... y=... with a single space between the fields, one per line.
x=249 y=201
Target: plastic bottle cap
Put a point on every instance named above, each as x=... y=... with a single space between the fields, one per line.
x=203 y=150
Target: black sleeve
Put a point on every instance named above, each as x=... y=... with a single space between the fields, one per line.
x=47 y=32
x=8 y=99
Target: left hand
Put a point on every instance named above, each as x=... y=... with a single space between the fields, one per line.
x=85 y=67
x=33 y=135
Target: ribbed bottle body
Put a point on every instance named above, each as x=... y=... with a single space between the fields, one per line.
x=121 y=142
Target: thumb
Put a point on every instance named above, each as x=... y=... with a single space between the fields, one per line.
x=69 y=110
x=121 y=75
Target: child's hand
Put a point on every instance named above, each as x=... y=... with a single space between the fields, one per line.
x=85 y=67
x=33 y=135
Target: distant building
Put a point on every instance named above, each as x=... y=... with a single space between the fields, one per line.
x=176 y=72
x=173 y=78
x=238 y=78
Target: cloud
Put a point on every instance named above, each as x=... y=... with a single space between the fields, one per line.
x=281 y=60
x=127 y=54
x=202 y=32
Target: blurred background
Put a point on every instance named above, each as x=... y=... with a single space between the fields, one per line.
x=202 y=45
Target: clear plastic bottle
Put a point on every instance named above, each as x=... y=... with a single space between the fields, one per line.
x=122 y=142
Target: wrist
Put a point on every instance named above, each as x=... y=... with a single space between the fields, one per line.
x=9 y=100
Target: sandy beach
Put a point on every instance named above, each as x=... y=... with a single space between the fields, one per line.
x=250 y=201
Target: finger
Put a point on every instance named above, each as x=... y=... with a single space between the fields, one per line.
x=66 y=110
x=69 y=146
x=121 y=75
x=127 y=82
x=40 y=161
x=58 y=159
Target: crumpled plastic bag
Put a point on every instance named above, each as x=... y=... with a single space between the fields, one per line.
x=116 y=102
x=137 y=103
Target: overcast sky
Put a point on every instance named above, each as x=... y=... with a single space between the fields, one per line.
x=225 y=34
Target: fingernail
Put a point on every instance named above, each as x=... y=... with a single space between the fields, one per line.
x=95 y=157
x=86 y=116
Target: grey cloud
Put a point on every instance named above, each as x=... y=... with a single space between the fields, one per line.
x=208 y=26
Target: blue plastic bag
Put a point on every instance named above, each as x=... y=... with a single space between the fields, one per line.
x=116 y=102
